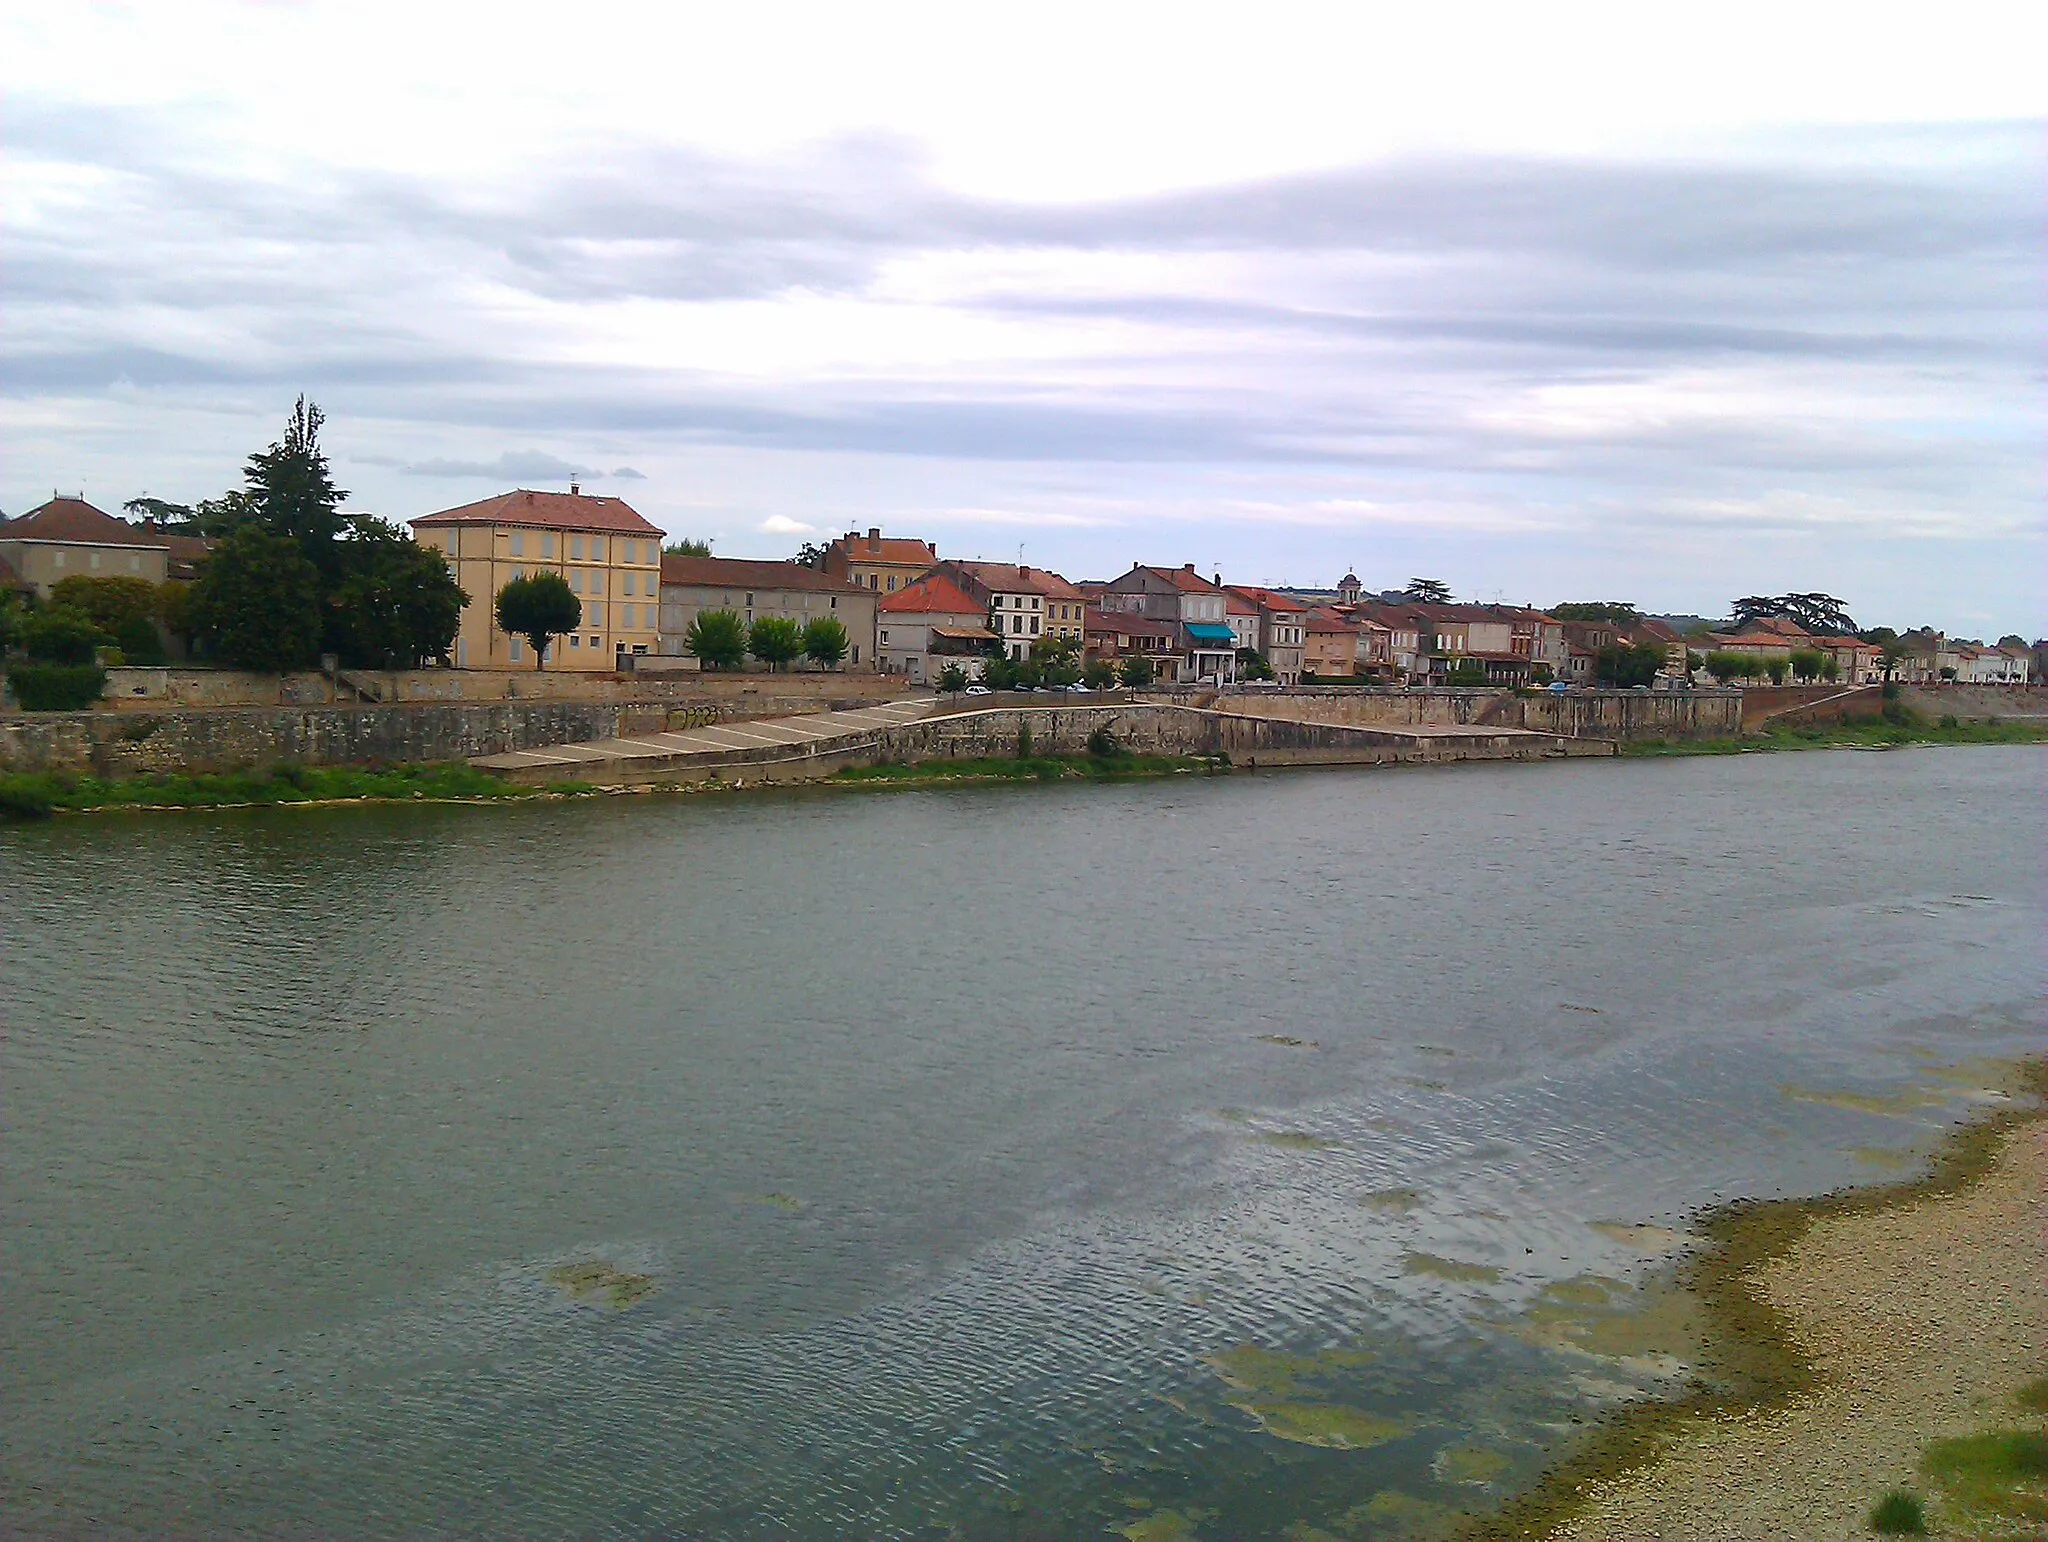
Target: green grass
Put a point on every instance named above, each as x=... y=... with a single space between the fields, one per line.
x=1899 y=1514
x=1040 y=768
x=1855 y=733
x=2033 y=1395
x=34 y=795
x=1998 y=1473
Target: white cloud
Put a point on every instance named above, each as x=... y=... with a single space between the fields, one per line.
x=782 y=524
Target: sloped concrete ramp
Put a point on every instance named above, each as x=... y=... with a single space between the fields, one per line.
x=690 y=751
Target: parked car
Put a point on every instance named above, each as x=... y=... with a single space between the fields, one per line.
x=1077 y=689
x=979 y=690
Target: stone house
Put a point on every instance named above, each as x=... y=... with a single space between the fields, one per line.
x=930 y=623
x=751 y=590
x=601 y=547
x=67 y=537
x=1207 y=651
x=883 y=564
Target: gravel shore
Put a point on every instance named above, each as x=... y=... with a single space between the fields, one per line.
x=1921 y=1319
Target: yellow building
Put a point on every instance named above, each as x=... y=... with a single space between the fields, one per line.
x=606 y=552
x=878 y=563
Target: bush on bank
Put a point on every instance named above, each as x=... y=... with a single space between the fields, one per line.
x=34 y=795
x=43 y=687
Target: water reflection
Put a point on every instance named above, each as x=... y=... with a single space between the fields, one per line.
x=1173 y=1160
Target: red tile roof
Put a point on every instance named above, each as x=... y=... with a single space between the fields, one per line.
x=741 y=573
x=1186 y=579
x=547 y=511
x=888 y=549
x=76 y=522
x=934 y=594
x=1268 y=599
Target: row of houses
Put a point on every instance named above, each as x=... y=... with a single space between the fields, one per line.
x=909 y=611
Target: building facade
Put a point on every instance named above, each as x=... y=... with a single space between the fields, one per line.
x=601 y=547
x=930 y=623
x=883 y=564
x=68 y=537
x=693 y=585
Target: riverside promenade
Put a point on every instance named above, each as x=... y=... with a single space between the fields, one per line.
x=813 y=746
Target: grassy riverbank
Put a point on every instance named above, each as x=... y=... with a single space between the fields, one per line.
x=1911 y=728
x=38 y=795
x=1888 y=1340
x=1034 y=768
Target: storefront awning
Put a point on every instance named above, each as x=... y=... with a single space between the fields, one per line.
x=1209 y=632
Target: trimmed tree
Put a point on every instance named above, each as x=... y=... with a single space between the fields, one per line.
x=1137 y=672
x=825 y=641
x=260 y=600
x=717 y=639
x=539 y=608
x=62 y=634
x=775 y=640
x=1100 y=674
x=952 y=680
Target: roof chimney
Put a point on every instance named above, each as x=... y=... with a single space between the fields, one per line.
x=1219 y=580
x=1187 y=567
x=875 y=538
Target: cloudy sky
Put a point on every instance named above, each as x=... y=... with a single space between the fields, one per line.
x=1547 y=301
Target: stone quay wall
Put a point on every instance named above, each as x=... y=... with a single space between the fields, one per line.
x=131 y=688
x=1146 y=728
x=1616 y=715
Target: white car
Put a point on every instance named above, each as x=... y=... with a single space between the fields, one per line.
x=1077 y=689
x=979 y=690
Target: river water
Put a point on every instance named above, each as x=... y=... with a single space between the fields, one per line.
x=1193 y=1160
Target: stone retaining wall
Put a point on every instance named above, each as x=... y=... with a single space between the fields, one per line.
x=1617 y=715
x=149 y=689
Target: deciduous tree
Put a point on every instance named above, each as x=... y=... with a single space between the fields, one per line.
x=1137 y=672
x=123 y=608
x=775 y=640
x=259 y=600
x=686 y=546
x=825 y=641
x=539 y=608
x=952 y=680
x=397 y=604
x=717 y=639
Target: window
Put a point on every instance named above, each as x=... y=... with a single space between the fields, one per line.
x=874 y=581
x=1034 y=626
x=750 y=602
x=518 y=651
x=575 y=580
x=576 y=548
x=835 y=602
x=597 y=583
x=575 y=642
x=134 y=564
x=518 y=543
x=94 y=561
x=885 y=637
x=597 y=548
x=57 y=559
x=593 y=642
x=1034 y=606
x=547 y=545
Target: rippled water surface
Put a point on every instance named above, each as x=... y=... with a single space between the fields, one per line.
x=1191 y=1159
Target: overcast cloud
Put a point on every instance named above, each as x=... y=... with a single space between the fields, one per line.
x=1804 y=358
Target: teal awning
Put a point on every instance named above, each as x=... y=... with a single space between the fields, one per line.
x=1209 y=632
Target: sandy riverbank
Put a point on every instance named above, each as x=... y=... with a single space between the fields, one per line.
x=1904 y=1316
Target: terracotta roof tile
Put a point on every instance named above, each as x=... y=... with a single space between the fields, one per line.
x=899 y=551
x=77 y=522
x=546 y=511
x=742 y=573
x=934 y=594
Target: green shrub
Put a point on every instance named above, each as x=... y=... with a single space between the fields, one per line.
x=1899 y=1514
x=1890 y=691
x=1996 y=1473
x=1023 y=741
x=1102 y=744
x=1948 y=720
x=56 y=687
x=25 y=799
x=1894 y=712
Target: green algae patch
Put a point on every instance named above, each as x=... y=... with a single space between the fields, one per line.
x=1749 y=1360
x=1393 y=1512
x=1456 y=1270
x=1470 y=1466
x=1655 y=1331
x=785 y=1202
x=1295 y=1140
x=1891 y=1105
x=1392 y=1201
x=1333 y=1426
x=1160 y=1526
x=601 y=1283
x=1644 y=1239
x=1274 y=1373
x=1891 y=1158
